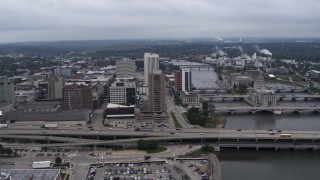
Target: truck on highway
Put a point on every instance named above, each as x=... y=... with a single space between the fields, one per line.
x=49 y=126
x=285 y=135
x=143 y=129
x=41 y=164
x=3 y=125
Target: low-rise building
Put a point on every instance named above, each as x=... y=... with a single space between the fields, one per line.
x=263 y=97
x=190 y=99
x=241 y=80
x=31 y=174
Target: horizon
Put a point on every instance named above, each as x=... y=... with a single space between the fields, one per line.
x=59 y=20
x=211 y=39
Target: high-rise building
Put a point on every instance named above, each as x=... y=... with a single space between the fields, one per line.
x=178 y=79
x=125 y=68
x=6 y=90
x=55 y=86
x=123 y=93
x=77 y=96
x=151 y=62
x=157 y=100
x=186 y=80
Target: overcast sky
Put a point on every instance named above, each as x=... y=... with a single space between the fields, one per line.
x=41 y=20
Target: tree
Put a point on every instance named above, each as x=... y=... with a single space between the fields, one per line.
x=193 y=110
x=147 y=144
x=207 y=148
x=205 y=105
x=147 y=157
x=58 y=160
x=243 y=89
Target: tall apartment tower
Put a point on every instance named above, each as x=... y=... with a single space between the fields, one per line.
x=55 y=85
x=6 y=90
x=151 y=62
x=186 y=80
x=157 y=99
x=77 y=96
x=178 y=79
x=125 y=68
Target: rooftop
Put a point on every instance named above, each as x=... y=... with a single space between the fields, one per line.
x=36 y=174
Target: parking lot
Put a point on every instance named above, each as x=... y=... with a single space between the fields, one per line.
x=159 y=170
x=42 y=152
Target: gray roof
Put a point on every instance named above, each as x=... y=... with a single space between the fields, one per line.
x=38 y=174
x=63 y=115
x=39 y=105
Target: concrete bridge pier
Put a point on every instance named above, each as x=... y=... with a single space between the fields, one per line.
x=256 y=140
x=276 y=148
x=257 y=148
x=315 y=148
x=237 y=140
x=238 y=147
x=114 y=137
x=253 y=111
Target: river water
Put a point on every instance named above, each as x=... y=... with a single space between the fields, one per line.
x=262 y=165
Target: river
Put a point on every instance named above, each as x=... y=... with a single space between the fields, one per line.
x=269 y=165
x=264 y=165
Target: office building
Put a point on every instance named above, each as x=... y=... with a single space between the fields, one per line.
x=62 y=71
x=186 y=80
x=157 y=99
x=151 y=62
x=55 y=86
x=122 y=92
x=7 y=90
x=125 y=68
x=77 y=96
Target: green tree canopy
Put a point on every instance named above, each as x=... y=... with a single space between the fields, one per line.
x=147 y=144
x=58 y=160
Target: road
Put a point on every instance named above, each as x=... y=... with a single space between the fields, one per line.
x=177 y=110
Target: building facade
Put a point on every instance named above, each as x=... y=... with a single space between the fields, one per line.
x=62 y=71
x=77 y=96
x=151 y=62
x=157 y=99
x=178 y=80
x=186 y=80
x=7 y=90
x=190 y=99
x=265 y=98
x=125 y=68
x=55 y=86
x=123 y=93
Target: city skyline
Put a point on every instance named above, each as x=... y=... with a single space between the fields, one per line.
x=91 y=20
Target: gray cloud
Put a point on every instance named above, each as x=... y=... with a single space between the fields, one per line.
x=37 y=20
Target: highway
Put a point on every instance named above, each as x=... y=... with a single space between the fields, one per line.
x=77 y=137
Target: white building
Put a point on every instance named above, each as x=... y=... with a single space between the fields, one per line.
x=151 y=62
x=125 y=68
x=186 y=80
